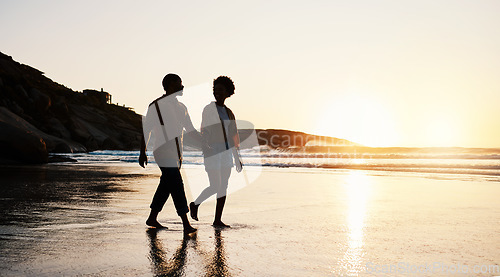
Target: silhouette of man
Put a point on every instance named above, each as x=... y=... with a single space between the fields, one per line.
x=165 y=121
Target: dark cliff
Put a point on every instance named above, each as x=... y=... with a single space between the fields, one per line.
x=38 y=116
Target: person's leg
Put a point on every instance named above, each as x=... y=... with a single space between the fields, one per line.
x=179 y=198
x=214 y=183
x=188 y=229
x=221 y=197
x=153 y=221
x=159 y=199
x=193 y=209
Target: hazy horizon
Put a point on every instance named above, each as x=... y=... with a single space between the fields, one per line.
x=379 y=74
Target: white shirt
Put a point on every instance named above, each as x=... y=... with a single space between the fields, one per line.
x=166 y=141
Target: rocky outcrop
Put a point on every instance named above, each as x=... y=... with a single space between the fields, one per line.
x=43 y=114
x=18 y=145
x=277 y=138
x=51 y=143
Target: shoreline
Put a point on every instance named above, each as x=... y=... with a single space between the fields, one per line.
x=480 y=166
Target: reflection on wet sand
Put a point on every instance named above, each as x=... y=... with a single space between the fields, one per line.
x=357 y=191
x=175 y=265
x=162 y=265
x=36 y=195
x=216 y=265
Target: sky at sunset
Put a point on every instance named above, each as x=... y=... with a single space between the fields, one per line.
x=380 y=73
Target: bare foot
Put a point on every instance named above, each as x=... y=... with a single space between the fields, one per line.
x=193 y=208
x=189 y=229
x=155 y=224
x=220 y=224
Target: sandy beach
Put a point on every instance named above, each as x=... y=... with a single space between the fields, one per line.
x=77 y=220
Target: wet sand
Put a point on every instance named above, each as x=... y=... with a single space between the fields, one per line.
x=89 y=220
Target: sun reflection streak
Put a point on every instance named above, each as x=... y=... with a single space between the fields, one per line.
x=357 y=186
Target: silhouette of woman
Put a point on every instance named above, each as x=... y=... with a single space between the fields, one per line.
x=217 y=265
x=220 y=134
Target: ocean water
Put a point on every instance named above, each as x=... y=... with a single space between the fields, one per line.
x=467 y=161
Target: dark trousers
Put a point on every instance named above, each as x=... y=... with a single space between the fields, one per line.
x=170 y=184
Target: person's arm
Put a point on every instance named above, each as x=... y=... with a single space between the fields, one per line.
x=237 y=159
x=146 y=129
x=236 y=148
x=193 y=137
x=188 y=124
x=143 y=158
x=205 y=130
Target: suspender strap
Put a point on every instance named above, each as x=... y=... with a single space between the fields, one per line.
x=224 y=132
x=159 y=113
x=176 y=138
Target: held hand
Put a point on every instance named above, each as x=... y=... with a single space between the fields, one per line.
x=143 y=159
x=239 y=166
